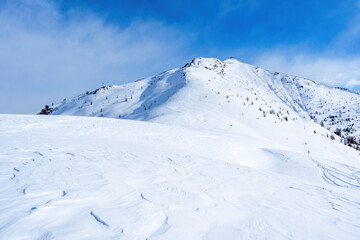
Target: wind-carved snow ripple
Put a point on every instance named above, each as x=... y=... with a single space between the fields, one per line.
x=348 y=178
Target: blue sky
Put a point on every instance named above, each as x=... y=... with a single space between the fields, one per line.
x=52 y=50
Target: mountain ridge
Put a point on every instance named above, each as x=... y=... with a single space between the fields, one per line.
x=145 y=99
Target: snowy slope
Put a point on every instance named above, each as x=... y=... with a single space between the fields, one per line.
x=221 y=88
x=334 y=107
x=224 y=150
x=66 y=177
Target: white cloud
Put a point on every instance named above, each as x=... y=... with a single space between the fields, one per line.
x=353 y=82
x=53 y=54
x=344 y=72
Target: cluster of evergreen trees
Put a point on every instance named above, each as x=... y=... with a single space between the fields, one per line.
x=46 y=110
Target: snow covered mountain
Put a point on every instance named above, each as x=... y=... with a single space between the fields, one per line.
x=224 y=150
x=207 y=88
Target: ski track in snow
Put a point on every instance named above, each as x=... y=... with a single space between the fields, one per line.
x=349 y=178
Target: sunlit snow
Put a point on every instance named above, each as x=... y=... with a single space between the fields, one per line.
x=221 y=152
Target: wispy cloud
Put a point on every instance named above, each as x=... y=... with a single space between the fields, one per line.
x=46 y=54
x=335 y=64
x=349 y=38
x=332 y=71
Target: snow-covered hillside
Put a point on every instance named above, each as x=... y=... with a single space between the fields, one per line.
x=65 y=177
x=223 y=150
x=207 y=88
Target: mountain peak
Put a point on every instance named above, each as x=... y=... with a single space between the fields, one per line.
x=203 y=62
x=208 y=88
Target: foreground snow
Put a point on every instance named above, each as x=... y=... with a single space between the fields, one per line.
x=65 y=177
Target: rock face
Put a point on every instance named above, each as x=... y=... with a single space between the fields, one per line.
x=221 y=88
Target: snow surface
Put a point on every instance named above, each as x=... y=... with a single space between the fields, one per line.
x=68 y=177
x=222 y=152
